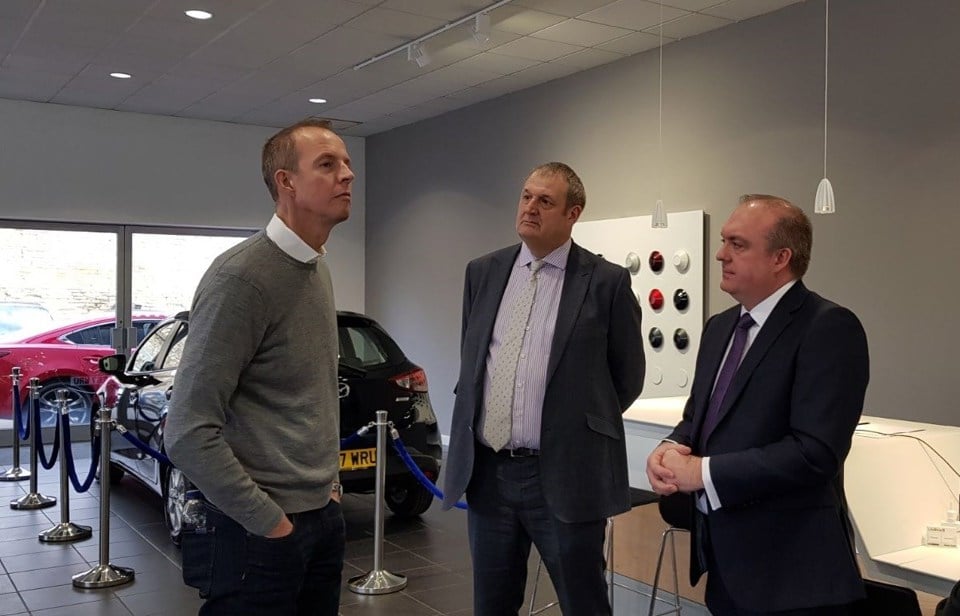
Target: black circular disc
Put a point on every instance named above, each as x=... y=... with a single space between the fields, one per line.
x=680 y=299
x=656 y=261
x=681 y=339
x=655 y=337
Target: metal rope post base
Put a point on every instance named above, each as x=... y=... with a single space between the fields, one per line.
x=15 y=473
x=33 y=500
x=105 y=575
x=65 y=530
x=378 y=581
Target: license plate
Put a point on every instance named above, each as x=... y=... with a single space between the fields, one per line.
x=354 y=459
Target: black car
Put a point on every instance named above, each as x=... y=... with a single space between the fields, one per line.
x=374 y=374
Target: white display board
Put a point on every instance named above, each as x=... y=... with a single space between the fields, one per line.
x=669 y=368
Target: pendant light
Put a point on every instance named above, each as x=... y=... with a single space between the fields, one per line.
x=824 y=203
x=659 y=220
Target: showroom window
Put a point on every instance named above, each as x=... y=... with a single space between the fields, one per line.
x=70 y=294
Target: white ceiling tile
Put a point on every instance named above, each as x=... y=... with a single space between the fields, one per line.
x=18 y=9
x=578 y=32
x=745 y=9
x=30 y=85
x=535 y=49
x=493 y=63
x=60 y=65
x=633 y=14
x=520 y=20
x=363 y=109
x=588 y=58
x=567 y=8
x=542 y=73
x=447 y=10
x=337 y=50
x=633 y=43
x=690 y=25
x=404 y=26
x=692 y=5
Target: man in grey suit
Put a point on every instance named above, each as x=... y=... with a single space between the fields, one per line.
x=551 y=356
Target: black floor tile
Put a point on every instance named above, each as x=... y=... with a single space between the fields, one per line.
x=112 y=607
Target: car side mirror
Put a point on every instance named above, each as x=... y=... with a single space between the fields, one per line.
x=113 y=364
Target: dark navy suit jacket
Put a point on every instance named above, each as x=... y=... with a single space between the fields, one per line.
x=782 y=539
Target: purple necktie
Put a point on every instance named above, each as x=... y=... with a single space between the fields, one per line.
x=727 y=373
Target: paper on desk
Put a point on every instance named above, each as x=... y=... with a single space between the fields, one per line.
x=878 y=428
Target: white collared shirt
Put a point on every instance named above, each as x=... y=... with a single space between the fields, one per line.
x=760 y=313
x=291 y=243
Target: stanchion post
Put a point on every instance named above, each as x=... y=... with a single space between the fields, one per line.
x=15 y=473
x=378 y=581
x=65 y=530
x=33 y=500
x=104 y=574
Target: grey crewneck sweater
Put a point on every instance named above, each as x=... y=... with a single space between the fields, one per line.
x=254 y=420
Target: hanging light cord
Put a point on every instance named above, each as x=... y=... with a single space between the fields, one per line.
x=660 y=103
x=826 y=65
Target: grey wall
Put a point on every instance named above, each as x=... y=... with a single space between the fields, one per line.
x=742 y=112
x=73 y=164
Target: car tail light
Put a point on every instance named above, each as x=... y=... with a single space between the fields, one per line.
x=415 y=380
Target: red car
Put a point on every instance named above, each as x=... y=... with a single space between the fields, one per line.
x=63 y=358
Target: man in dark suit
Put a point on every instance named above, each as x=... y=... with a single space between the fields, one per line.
x=761 y=446
x=551 y=356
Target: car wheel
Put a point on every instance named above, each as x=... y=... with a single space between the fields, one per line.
x=406 y=497
x=79 y=403
x=175 y=487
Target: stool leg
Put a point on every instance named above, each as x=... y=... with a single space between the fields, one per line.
x=656 y=575
x=676 y=575
x=612 y=587
x=533 y=611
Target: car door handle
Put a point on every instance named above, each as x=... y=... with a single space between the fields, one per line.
x=168 y=393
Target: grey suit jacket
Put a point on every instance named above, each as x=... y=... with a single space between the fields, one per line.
x=595 y=371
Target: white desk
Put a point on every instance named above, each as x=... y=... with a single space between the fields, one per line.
x=893 y=485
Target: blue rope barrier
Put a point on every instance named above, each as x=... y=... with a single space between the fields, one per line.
x=22 y=430
x=423 y=479
x=353 y=438
x=68 y=457
x=47 y=463
x=147 y=449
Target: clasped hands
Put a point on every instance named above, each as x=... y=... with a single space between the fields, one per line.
x=672 y=468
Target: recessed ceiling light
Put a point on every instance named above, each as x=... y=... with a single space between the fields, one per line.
x=318 y=101
x=198 y=14
x=121 y=75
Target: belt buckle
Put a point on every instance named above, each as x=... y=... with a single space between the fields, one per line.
x=521 y=452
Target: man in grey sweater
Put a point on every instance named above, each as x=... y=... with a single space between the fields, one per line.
x=254 y=419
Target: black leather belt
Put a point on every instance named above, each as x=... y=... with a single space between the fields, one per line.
x=519 y=452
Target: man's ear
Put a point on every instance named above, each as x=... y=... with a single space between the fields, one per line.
x=281 y=177
x=573 y=214
x=783 y=258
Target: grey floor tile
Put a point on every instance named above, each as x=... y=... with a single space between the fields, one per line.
x=112 y=607
x=61 y=596
x=173 y=601
x=43 y=560
x=91 y=551
x=28 y=545
x=388 y=605
x=447 y=599
x=45 y=578
x=394 y=561
x=10 y=603
x=6 y=584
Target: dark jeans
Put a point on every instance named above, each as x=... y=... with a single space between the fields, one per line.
x=507 y=512
x=241 y=573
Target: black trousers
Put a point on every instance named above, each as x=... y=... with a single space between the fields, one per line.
x=241 y=573
x=507 y=513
